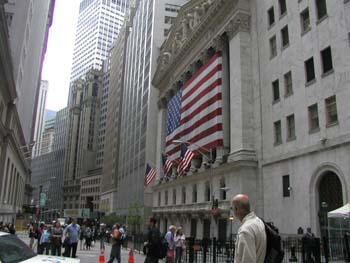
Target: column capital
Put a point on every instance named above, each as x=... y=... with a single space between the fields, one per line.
x=240 y=23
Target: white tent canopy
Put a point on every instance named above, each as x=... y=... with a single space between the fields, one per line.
x=343 y=211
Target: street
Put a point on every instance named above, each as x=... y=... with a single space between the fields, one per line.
x=92 y=256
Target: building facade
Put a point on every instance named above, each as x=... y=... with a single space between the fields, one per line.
x=83 y=127
x=40 y=116
x=98 y=25
x=149 y=23
x=109 y=180
x=14 y=169
x=48 y=136
x=284 y=84
x=29 y=23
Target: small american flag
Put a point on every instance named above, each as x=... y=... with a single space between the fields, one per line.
x=167 y=165
x=194 y=113
x=150 y=174
x=186 y=158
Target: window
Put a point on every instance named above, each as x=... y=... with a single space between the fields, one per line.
x=183 y=195
x=286 y=185
x=174 y=196
x=166 y=198
x=278 y=132
x=271 y=16
x=194 y=194
x=283 y=7
x=273 y=47
x=321 y=9
x=288 y=84
x=285 y=37
x=275 y=91
x=159 y=198
x=207 y=191
x=290 y=127
x=309 y=70
x=327 y=63
x=222 y=186
x=313 y=118
x=331 y=110
x=305 y=21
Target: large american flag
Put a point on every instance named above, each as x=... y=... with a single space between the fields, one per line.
x=149 y=175
x=194 y=113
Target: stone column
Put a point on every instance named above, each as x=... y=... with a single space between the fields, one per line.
x=241 y=90
x=221 y=45
x=161 y=135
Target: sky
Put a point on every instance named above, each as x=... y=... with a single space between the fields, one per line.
x=59 y=54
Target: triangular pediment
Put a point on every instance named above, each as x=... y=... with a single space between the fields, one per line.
x=186 y=22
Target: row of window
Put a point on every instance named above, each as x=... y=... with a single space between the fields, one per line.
x=314 y=125
x=321 y=10
x=310 y=76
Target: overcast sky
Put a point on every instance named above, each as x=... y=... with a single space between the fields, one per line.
x=58 y=58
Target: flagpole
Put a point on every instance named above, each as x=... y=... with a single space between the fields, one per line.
x=176 y=142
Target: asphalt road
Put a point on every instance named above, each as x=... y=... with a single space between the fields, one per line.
x=92 y=256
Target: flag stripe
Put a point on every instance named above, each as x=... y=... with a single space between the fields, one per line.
x=195 y=112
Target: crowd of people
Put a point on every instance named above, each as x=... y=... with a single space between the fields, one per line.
x=50 y=240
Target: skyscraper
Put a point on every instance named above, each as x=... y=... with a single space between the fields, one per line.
x=150 y=23
x=98 y=25
x=40 y=115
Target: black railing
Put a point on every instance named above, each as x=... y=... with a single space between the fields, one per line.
x=296 y=249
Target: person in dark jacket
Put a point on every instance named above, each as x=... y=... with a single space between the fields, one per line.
x=152 y=242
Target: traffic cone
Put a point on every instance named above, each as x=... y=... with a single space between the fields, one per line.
x=131 y=256
x=102 y=257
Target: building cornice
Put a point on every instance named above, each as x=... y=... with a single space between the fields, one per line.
x=198 y=26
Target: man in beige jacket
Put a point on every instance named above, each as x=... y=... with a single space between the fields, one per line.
x=251 y=238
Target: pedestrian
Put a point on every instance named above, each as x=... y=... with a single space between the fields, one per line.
x=56 y=239
x=151 y=245
x=1 y=226
x=39 y=232
x=169 y=237
x=102 y=235
x=88 y=238
x=308 y=241
x=44 y=242
x=72 y=231
x=12 y=229
x=180 y=246
x=32 y=234
x=251 y=238
x=116 y=244
x=82 y=238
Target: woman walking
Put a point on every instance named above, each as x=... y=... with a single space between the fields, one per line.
x=56 y=239
x=180 y=246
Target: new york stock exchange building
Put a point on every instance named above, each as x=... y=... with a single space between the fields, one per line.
x=259 y=92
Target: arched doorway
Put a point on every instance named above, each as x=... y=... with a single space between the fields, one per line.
x=330 y=197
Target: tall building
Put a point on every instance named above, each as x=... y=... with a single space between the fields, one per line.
x=150 y=22
x=84 y=113
x=40 y=116
x=48 y=167
x=48 y=136
x=98 y=25
x=14 y=170
x=109 y=180
x=29 y=23
x=280 y=71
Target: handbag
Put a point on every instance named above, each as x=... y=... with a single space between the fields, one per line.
x=170 y=255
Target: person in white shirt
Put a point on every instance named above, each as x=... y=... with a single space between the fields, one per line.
x=250 y=245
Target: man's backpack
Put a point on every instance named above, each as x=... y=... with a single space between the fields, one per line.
x=274 y=251
x=163 y=248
